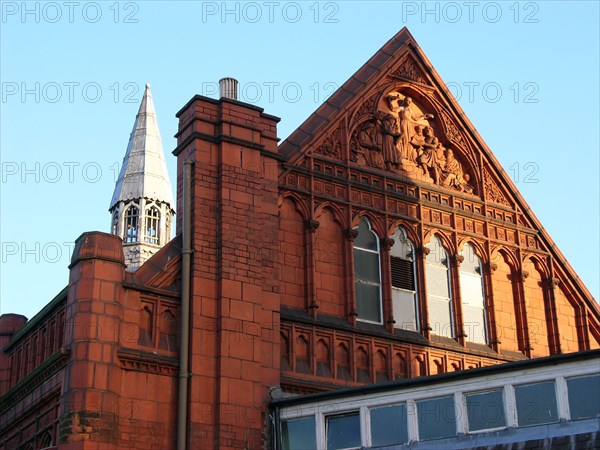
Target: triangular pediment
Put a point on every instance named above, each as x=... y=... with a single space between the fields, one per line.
x=395 y=117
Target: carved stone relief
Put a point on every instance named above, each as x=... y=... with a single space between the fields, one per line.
x=366 y=109
x=409 y=70
x=399 y=136
x=492 y=191
x=332 y=145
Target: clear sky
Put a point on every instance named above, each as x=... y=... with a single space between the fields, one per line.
x=73 y=73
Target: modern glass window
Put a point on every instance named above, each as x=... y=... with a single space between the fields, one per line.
x=388 y=425
x=584 y=396
x=439 y=293
x=436 y=418
x=152 y=226
x=472 y=295
x=132 y=219
x=299 y=434
x=536 y=403
x=343 y=431
x=404 y=286
x=485 y=410
x=367 y=274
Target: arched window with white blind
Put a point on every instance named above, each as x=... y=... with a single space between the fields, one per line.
x=367 y=274
x=439 y=291
x=472 y=296
x=404 y=282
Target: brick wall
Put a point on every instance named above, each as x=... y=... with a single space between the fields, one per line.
x=235 y=287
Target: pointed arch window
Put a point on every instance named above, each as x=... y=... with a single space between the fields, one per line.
x=303 y=354
x=132 y=220
x=146 y=326
x=168 y=331
x=439 y=291
x=45 y=440
x=323 y=359
x=151 y=232
x=472 y=296
x=367 y=274
x=381 y=367
x=343 y=363
x=167 y=226
x=404 y=281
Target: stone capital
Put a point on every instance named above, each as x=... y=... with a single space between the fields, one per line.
x=351 y=234
x=311 y=225
x=386 y=243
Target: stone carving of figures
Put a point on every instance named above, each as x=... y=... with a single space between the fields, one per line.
x=370 y=139
x=453 y=175
x=389 y=129
x=418 y=140
x=407 y=128
x=428 y=157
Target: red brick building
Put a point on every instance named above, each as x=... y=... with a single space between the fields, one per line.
x=381 y=241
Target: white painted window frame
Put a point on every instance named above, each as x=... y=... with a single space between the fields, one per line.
x=504 y=381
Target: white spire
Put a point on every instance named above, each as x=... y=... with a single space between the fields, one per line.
x=144 y=171
x=142 y=205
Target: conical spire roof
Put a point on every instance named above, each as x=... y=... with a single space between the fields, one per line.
x=144 y=171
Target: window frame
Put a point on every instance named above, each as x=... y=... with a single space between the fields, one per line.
x=451 y=396
x=480 y=276
x=309 y=416
x=504 y=382
x=128 y=219
x=348 y=413
x=445 y=260
x=403 y=237
x=366 y=282
x=568 y=396
x=152 y=217
x=533 y=383
x=502 y=391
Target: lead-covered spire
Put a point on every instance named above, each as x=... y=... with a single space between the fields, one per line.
x=142 y=205
x=144 y=171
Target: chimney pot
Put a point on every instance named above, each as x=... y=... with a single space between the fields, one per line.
x=228 y=88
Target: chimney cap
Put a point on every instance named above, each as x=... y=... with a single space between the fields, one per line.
x=228 y=88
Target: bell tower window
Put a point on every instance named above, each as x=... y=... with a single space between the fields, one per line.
x=132 y=219
x=151 y=234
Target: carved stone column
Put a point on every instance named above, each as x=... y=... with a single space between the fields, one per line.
x=549 y=285
x=459 y=328
x=311 y=227
x=350 y=235
x=421 y=257
x=490 y=313
x=386 y=283
x=517 y=280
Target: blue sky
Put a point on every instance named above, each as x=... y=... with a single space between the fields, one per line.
x=72 y=76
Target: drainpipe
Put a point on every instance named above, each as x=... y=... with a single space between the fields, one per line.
x=184 y=354
x=277 y=429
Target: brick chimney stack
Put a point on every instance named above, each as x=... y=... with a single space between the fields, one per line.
x=234 y=338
